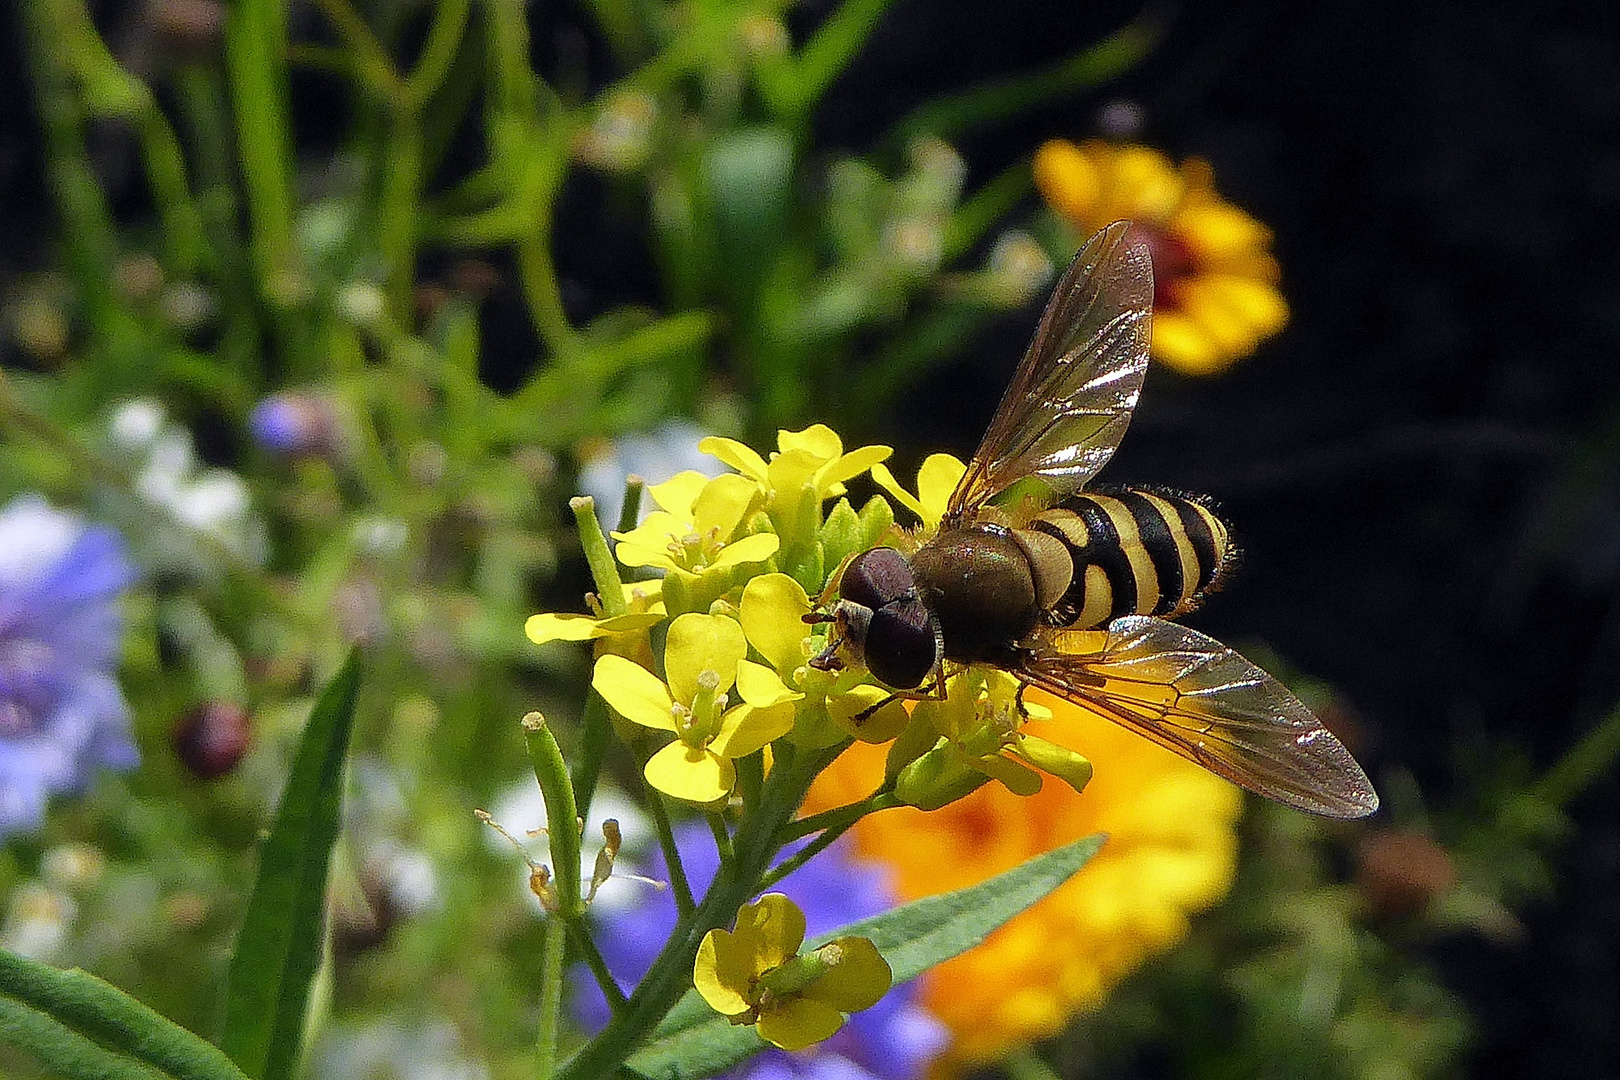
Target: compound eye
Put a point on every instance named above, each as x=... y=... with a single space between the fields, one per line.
x=877 y=577
x=901 y=647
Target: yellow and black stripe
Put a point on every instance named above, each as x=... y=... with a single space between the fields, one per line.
x=1135 y=553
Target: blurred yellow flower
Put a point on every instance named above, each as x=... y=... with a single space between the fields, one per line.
x=755 y=975
x=1215 y=281
x=1172 y=850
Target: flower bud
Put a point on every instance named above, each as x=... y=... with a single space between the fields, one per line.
x=211 y=739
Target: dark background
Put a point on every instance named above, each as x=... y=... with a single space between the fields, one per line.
x=1423 y=469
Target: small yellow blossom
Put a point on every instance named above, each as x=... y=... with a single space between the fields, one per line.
x=1215 y=281
x=809 y=467
x=1172 y=850
x=695 y=530
x=772 y=615
x=755 y=975
x=705 y=656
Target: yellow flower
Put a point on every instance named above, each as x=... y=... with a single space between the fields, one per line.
x=1171 y=851
x=755 y=975
x=1215 y=281
x=772 y=615
x=809 y=467
x=705 y=656
x=694 y=531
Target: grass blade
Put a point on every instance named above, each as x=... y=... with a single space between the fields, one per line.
x=79 y=1026
x=279 y=947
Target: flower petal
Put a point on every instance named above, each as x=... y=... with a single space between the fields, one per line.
x=749 y=549
x=885 y=479
x=548 y=626
x=677 y=494
x=760 y=686
x=722 y=973
x=733 y=453
x=817 y=439
x=634 y=691
x=772 y=615
x=798 y=1022
x=858 y=981
x=849 y=466
x=882 y=725
x=697 y=776
x=938 y=477
x=722 y=504
x=773 y=928
x=699 y=643
x=746 y=728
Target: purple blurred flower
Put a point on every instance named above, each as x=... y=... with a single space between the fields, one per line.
x=291 y=423
x=893 y=1040
x=61 y=712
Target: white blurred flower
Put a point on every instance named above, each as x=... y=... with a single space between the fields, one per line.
x=655 y=456
x=168 y=474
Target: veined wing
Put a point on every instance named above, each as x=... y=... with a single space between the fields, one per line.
x=1071 y=398
x=1191 y=694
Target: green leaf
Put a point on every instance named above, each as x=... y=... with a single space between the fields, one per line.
x=694 y=1041
x=279 y=947
x=78 y=1026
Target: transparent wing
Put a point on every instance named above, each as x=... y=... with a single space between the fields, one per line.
x=1071 y=398
x=1191 y=694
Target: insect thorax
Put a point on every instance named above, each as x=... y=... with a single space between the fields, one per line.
x=1135 y=553
x=979 y=583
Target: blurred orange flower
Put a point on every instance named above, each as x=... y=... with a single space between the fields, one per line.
x=1172 y=850
x=1215 y=295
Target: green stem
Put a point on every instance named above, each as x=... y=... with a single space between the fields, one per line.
x=821 y=843
x=604 y=571
x=595 y=733
x=372 y=62
x=551 y=983
x=1583 y=763
x=671 y=973
x=583 y=941
x=87 y=225
x=438 y=51
x=722 y=838
x=840 y=815
x=562 y=816
x=255 y=52
x=1022 y=1064
x=396 y=223
x=679 y=887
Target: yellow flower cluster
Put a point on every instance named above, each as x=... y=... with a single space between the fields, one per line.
x=740 y=554
x=1171 y=850
x=1215 y=281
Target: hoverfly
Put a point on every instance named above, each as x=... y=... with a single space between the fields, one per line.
x=1074 y=596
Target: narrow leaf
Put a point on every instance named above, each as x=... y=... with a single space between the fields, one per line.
x=694 y=1041
x=279 y=947
x=79 y=1026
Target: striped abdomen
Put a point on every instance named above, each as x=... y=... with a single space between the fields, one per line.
x=1135 y=553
